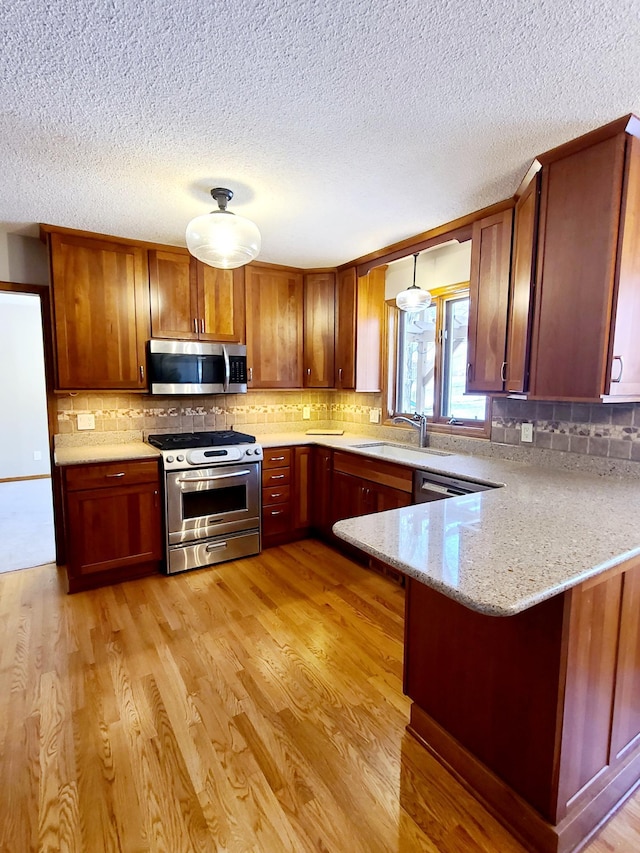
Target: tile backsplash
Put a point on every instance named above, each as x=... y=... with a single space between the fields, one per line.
x=126 y=417
x=607 y=430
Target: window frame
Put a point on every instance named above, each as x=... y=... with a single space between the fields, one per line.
x=437 y=423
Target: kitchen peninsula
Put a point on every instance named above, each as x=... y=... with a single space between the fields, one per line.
x=522 y=640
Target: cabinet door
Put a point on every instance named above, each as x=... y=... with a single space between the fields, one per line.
x=220 y=304
x=302 y=478
x=626 y=709
x=525 y=231
x=381 y=498
x=623 y=372
x=370 y=313
x=113 y=528
x=172 y=287
x=319 y=327
x=579 y=221
x=488 y=302
x=101 y=311
x=321 y=489
x=345 y=365
x=349 y=496
x=274 y=304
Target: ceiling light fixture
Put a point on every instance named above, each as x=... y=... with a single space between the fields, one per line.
x=222 y=239
x=413 y=298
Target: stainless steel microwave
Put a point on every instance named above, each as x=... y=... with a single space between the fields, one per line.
x=196 y=367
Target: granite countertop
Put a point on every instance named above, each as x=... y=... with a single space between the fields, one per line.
x=105 y=453
x=498 y=551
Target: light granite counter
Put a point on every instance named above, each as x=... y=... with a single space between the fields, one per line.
x=105 y=453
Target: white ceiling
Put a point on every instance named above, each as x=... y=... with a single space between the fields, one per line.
x=341 y=127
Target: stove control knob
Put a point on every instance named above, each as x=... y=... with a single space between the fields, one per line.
x=180 y=457
x=169 y=459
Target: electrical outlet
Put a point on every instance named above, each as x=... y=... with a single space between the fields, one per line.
x=374 y=416
x=526 y=432
x=86 y=421
x=37 y=455
x=306 y=413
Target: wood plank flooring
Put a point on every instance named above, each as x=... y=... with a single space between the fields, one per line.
x=252 y=707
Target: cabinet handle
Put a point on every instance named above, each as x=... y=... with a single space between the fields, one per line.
x=469 y=369
x=120 y=474
x=276 y=494
x=250 y=374
x=503 y=371
x=277 y=477
x=308 y=371
x=195 y=325
x=142 y=373
x=202 y=325
x=340 y=375
x=619 y=376
x=276 y=458
x=276 y=512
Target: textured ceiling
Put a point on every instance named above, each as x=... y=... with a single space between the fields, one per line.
x=341 y=127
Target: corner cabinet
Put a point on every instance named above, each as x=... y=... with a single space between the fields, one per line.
x=274 y=305
x=360 y=312
x=488 y=302
x=193 y=301
x=113 y=522
x=100 y=312
x=585 y=343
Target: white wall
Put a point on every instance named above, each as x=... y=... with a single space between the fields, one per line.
x=23 y=407
x=23 y=260
x=436 y=267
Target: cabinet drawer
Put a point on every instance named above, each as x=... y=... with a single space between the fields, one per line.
x=277 y=458
x=110 y=474
x=276 y=477
x=276 y=519
x=275 y=495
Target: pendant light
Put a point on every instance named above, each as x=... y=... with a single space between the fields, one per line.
x=413 y=298
x=220 y=238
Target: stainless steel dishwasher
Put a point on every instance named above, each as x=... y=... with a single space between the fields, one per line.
x=428 y=486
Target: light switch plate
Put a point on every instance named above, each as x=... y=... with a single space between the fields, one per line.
x=86 y=421
x=526 y=432
x=306 y=413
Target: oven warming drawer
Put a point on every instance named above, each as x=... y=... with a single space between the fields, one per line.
x=211 y=551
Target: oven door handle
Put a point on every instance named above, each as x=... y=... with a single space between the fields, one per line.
x=227 y=368
x=213 y=477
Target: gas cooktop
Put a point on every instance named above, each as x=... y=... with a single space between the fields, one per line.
x=192 y=440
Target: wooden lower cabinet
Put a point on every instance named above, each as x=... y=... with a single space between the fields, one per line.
x=113 y=522
x=537 y=713
x=286 y=496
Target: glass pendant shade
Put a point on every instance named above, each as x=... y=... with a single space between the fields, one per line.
x=413 y=298
x=220 y=238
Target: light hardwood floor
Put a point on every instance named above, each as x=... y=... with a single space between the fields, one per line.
x=253 y=707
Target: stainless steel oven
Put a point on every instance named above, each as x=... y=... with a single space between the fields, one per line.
x=212 y=497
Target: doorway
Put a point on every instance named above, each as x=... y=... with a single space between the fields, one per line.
x=27 y=535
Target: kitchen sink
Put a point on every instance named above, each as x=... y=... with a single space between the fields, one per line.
x=399 y=452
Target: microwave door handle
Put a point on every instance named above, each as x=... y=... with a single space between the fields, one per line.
x=227 y=369
x=212 y=478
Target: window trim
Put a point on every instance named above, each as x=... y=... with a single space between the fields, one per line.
x=471 y=429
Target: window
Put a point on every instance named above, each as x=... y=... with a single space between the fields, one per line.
x=430 y=362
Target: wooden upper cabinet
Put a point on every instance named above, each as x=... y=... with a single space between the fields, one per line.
x=488 y=302
x=101 y=313
x=360 y=311
x=221 y=304
x=525 y=232
x=172 y=285
x=193 y=301
x=585 y=342
x=274 y=306
x=345 y=343
x=319 y=327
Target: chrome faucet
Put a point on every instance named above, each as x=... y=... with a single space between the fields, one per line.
x=417 y=421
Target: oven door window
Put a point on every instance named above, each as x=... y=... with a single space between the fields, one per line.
x=223 y=499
